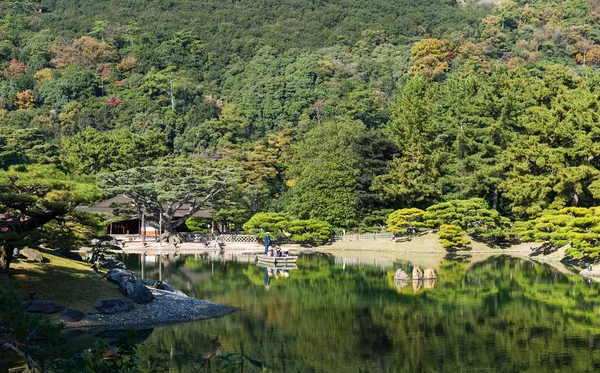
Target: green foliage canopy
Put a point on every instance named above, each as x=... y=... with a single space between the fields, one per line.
x=161 y=190
x=32 y=197
x=92 y=151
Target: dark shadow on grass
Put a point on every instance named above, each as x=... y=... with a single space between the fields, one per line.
x=76 y=287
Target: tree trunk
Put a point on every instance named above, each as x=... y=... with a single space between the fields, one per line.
x=25 y=223
x=575 y=198
x=495 y=199
x=5 y=258
x=171 y=234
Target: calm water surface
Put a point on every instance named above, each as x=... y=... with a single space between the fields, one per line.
x=501 y=314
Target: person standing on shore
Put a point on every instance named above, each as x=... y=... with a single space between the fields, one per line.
x=267 y=241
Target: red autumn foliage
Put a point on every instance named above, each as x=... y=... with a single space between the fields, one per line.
x=450 y=56
x=114 y=101
x=15 y=69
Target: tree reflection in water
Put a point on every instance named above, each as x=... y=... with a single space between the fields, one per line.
x=501 y=314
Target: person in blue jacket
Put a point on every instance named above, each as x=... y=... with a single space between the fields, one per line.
x=267 y=241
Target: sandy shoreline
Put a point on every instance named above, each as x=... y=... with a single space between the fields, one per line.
x=423 y=244
x=424 y=250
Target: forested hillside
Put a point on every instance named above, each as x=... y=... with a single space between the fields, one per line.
x=336 y=110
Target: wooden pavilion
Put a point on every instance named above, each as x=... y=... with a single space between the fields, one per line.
x=132 y=225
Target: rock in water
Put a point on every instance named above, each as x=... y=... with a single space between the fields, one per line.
x=71 y=315
x=120 y=275
x=401 y=275
x=45 y=306
x=429 y=274
x=417 y=273
x=137 y=292
x=163 y=285
x=110 y=306
x=111 y=263
x=33 y=255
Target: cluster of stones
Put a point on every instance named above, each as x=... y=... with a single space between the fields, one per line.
x=417 y=274
x=48 y=307
x=132 y=287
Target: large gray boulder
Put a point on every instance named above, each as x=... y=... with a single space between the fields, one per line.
x=71 y=315
x=401 y=275
x=118 y=275
x=45 y=306
x=163 y=285
x=111 y=263
x=429 y=274
x=417 y=273
x=111 y=306
x=33 y=255
x=137 y=292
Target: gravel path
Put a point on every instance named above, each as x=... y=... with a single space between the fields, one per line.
x=167 y=308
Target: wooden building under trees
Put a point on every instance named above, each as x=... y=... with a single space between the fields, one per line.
x=131 y=223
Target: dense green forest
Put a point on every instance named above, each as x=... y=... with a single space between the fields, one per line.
x=470 y=117
x=340 y=111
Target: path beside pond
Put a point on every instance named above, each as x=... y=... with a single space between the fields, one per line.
x=427 y=243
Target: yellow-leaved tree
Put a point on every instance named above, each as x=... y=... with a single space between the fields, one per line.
x=431 y=58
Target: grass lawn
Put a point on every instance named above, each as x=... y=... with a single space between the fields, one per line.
x=72 y=283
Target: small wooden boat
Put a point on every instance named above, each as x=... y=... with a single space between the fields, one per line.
x=276 y=259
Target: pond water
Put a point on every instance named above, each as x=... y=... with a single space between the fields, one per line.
x=329 y=315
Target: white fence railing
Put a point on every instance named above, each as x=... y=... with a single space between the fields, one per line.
x=207 y=237
x=247 y=238
x=238 y=238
